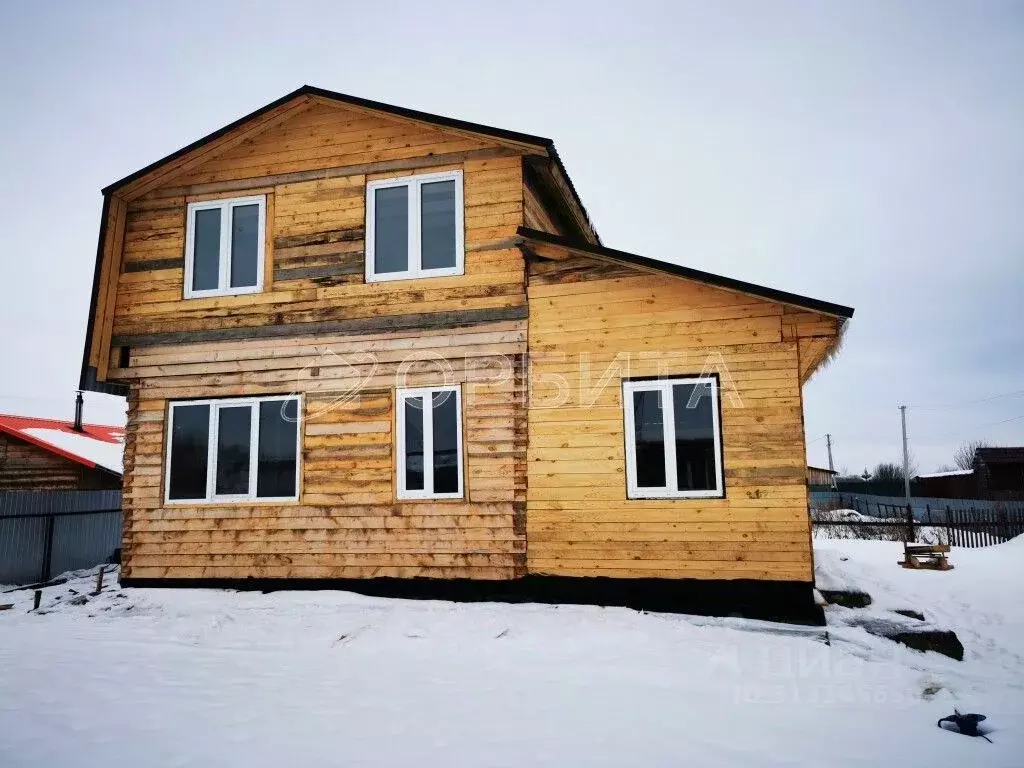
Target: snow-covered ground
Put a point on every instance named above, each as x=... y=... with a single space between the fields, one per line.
x=207 y=678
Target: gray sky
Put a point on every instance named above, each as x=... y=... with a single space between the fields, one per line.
x=870 y=153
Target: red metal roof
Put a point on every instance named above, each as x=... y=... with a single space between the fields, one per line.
x=18 y=426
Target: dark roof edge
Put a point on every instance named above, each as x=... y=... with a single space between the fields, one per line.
x=83 y=378
x=309 y=90
x=557 y=159
x=720 y=281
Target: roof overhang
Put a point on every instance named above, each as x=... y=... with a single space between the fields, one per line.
x=541 y=241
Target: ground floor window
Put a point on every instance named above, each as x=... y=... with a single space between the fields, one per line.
x=673 y=438
x=429 y=443
x=238 y=449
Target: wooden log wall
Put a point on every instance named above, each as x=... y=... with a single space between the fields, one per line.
x=348 y=522
x=319 y=330
x=27 y=467
x=579 y=520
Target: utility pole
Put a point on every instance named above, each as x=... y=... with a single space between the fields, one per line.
x=831 y=468
x=906 y=455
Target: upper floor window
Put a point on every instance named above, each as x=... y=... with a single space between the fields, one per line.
x=238 y=449
x=224 y=242
x=673 y=438
x=414 y=227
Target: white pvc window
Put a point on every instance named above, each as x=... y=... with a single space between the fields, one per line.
x=224 y=245
x=414 y=227
x=429 y=443
x=673 y=438
x=238 y=449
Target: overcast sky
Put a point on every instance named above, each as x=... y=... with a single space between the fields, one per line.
x=866 y=153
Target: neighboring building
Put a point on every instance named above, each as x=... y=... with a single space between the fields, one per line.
x=249 y=283
x=999 y=473
x=818 y=477
x=47 y=455
x=951 y=484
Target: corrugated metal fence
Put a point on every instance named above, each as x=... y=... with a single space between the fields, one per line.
x=43 y=533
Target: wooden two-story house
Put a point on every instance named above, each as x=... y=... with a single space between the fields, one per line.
x=361 y=342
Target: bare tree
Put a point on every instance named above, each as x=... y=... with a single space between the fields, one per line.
x=890 y=472
x=887 y=472
x=964 y=455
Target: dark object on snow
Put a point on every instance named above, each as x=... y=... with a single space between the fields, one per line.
x=965 y=724
x=37 y=585
x=36 y=598
x=910 y=613
x=944 y=642
x=848 y=598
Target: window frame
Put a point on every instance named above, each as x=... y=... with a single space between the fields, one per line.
x=226 y=206
x=664 y=385
x=427 y=393
x=415 y=214
x=213 y=428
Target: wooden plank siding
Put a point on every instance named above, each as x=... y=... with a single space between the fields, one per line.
x=347 y=522
x=315 y=263
x=589 y=320
x=544 y=478
x=319 y=330
x=27 y=467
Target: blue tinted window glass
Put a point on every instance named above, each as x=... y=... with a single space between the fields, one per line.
x=245 y=237
x=206 y=250
x=391 y=230
x=437 y=224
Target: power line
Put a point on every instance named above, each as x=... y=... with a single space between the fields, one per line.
x=952 y=406
x=980 y=426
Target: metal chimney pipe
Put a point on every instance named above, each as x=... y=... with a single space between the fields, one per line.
x=79 y=402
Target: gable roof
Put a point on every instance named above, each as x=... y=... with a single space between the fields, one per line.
x=719 y=281
x=96 y=446
x=500 y=134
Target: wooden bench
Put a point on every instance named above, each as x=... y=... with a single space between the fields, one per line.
x=932 y=556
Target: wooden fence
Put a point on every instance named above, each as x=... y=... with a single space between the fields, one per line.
x=959 y=527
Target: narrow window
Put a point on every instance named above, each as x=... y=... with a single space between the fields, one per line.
x=414 y=227
x=429 y=443
x=190 y=436
x=673 y=439
x=278 y=452
x=233 y=450
x=224 y=247
x=234 y=432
